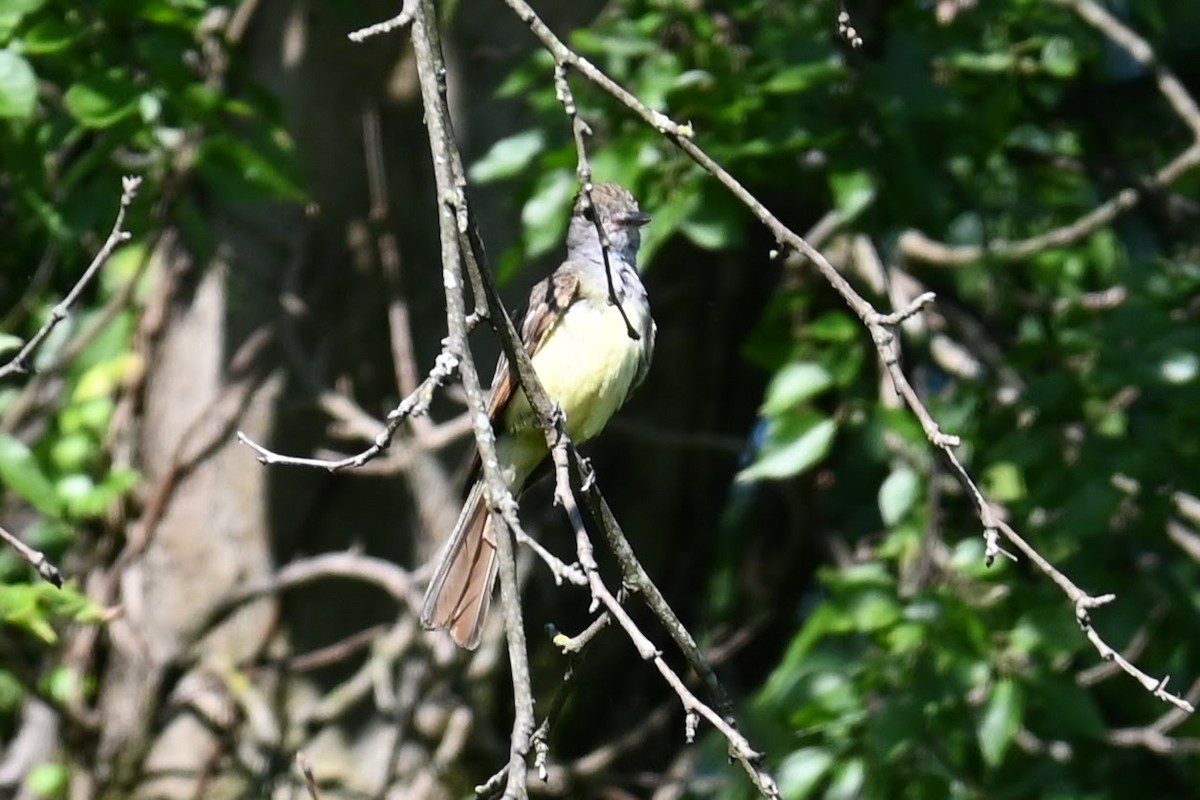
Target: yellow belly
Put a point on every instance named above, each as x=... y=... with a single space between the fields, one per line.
x=587 y=366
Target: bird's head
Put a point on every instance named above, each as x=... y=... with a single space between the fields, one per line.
x=619 y=216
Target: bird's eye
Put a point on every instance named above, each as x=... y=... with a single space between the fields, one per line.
x=589 y=213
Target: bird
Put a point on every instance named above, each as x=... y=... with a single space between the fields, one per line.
x=589 y=354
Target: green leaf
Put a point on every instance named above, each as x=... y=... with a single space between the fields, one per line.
x=1000 y=722
x=92 y=415
x=8 y=342
x=872 y=610
x=101 y=101
x=984 y=62
x=47 y=214
x=1003 y=482
x=75 y=491
x=522 y=80
x=795 y=384
x=12 y=12
x=72 y=451
x=545 y=214
x=168 y=12
x=1075 y=713
x=716 y=222
x=852 y=191
x=833 y=326
x=48 y=780
x=967 y=558
x=49 y=534
x=50 y=35
x=508 y=157
x=1059 y=57
x=103 y=379
x=84 y=498
x=657 y=78
x=678 y=205
x=897 y=495
x=1179 y=367
x=847 y=782
x=801 y=772
x=794 y=457
x=896 y=726
x=62 y=684
x=20 y=472
x=20 y=605
x=246 y=168
x=800 y=77
x=693 y=78
x=18 y=87
x=711 y=231
x=12 y=692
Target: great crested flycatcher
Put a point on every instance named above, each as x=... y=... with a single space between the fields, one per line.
x=588 y=363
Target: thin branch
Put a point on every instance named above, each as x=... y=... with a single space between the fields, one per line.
x=386 y=648
x=415 y=404
x=1140 y=51
x=20 y=363
x=1154 y=736
x=386 y=652
x=539 y=739
x=635 y=577
x=453 y=223
x=739 y=747
x=401 y=20
x=310 y=781
x=35 y=558
x=384 y=574
x=583 y=169
x=338 y=651
x=917 y=245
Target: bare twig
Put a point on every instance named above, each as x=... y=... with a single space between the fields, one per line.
x=20 y=363
x=403 y=19
x=310 y=780
x=917 y=245
x=453 y=223
x=416 y=403
x=1141 y=52
x=338 y=651
x=739 y=747
x=387 y=576
x=1155 y=735
x=367 y=679
x=34 y=397
x=635 y=577
x=35 y=558
x=583 y=169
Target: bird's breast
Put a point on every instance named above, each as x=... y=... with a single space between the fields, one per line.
x=587 y=365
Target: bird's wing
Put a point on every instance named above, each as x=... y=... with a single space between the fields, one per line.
x=548 y=302
x=647 y=354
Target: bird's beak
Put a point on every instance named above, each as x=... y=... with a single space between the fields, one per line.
x=634 y=219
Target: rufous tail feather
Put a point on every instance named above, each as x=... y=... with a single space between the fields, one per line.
x=460 y=593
